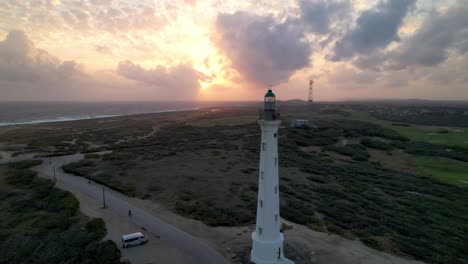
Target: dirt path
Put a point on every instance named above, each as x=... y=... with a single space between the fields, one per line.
x=154 y=130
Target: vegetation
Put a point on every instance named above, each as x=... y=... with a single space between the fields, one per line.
x=424 y=115
x=389 y=210
x=417 y=215
x=355 y=151
x=334 y=111
x=41 y=224
x=376 y=144
x=427 y=149
x=446 y=170
x=86 y=168
x=452 y=136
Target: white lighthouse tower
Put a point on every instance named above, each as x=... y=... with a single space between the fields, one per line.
x=267 y=240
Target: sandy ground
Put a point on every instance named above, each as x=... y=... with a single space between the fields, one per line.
x=319 y=247
x=232 y=242
x=329 y=248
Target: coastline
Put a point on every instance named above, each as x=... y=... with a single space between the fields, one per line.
x=67 y=119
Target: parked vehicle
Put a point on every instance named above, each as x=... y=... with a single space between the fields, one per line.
x=134 y=239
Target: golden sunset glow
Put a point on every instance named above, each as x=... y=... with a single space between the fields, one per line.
x=220 y=50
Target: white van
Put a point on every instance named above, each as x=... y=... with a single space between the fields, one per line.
x=133 y=240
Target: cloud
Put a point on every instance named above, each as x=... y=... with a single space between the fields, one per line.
x=347 y=77
x=261 y=49
x=375 y=29
x=317 y=15
x=180 y=82
x=21 y=63
x=430 y=45
x=372 y=61
x=30 y=73
x=102 y=49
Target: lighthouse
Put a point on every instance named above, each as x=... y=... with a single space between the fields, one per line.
x=267 y=240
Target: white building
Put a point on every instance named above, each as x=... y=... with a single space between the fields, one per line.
x=300 y=123
x=267 y=240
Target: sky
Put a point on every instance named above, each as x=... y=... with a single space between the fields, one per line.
x=213 y=50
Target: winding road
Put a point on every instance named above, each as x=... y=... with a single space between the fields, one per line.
x=194 y=249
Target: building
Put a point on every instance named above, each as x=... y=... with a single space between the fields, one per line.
x=267 y=240
x=300 y=123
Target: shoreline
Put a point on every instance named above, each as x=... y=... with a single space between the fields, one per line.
x=68 y=119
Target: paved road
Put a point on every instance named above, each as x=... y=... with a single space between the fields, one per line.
x=197 y=250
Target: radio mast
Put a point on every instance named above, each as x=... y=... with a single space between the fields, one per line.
x=310 y=98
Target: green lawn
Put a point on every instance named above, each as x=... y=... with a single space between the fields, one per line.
x=454 y=137
x=446 y=170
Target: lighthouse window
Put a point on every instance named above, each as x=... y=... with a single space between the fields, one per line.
x=261 y=175
x=261 y=203
x=276 y=161
x=260 y=230
x=276 y=217
x=263 y=146
x=274 y=135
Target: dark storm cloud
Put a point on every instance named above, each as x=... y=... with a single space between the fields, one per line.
x=317 y=15
x=263 y=50
x=375 y=29
x=182 y=81
x=430 y=45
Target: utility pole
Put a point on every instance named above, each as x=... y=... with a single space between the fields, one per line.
x=103 y=197
x=55 y=179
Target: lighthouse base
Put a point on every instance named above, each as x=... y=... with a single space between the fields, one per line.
x=268 y=251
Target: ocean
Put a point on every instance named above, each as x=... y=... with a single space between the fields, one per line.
x=21 y=113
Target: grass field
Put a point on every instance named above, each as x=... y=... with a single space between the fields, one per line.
x=446 y=170
x=451 y=137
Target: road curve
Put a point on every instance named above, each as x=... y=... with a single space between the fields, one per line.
x=197 y=251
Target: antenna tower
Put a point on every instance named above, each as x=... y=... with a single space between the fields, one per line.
x=310 y=98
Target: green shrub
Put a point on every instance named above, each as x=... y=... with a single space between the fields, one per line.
x=20 y=177
x=24 y=164
x=376 y=144
x=97 y=227
x=355 y=151
x=55 y=231
x=108 y=253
